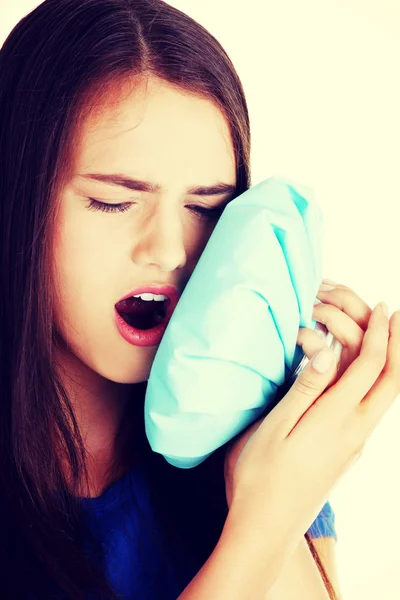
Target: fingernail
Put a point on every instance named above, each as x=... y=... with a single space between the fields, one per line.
x=323 y=360
x=330 y=281
x=385 y=309
x=325 y=288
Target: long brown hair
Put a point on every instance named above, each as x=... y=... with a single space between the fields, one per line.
x=53 y=66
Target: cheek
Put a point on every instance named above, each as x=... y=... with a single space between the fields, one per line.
x=196 y=240
x=82 y=250
x=70 y=256
x=81 y=272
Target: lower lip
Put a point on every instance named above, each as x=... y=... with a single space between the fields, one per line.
x=140 y=337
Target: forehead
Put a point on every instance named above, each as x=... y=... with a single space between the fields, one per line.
x=155 y=130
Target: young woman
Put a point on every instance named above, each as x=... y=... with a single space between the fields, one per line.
x=124 y=132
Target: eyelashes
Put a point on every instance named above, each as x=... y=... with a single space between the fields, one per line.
x=110 y=208
x=210 y=213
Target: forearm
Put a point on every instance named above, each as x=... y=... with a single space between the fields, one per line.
x=244 y=565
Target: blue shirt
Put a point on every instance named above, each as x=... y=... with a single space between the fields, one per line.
x=143 y=567
x=324 y=524
x=140 y=563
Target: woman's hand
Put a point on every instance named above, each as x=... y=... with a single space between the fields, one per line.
x=284 y=466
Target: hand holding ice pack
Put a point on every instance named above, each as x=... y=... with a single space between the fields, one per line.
x=231 y=341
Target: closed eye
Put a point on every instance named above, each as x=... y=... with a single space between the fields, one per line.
x=210 y=213
x=124 y=206
x=104 y=207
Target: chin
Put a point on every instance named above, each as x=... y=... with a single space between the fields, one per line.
x=135 y=370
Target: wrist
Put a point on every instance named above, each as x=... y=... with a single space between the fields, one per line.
x=259 y=544
x=261 y=531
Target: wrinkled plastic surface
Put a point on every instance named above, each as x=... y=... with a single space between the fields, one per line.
x=231 y=341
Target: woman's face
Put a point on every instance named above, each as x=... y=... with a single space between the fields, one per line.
x=163 y=136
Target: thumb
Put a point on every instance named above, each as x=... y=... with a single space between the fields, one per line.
x=307 y=387
x=321 y=362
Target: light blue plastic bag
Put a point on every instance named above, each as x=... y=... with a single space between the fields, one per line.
x=231 y=341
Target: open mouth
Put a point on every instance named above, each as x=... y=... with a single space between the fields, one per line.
x=143 y=314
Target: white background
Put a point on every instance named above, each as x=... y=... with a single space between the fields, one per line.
x=322 y=84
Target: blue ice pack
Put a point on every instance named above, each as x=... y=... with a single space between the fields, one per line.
x=231 y=342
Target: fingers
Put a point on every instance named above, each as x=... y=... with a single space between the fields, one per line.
x=345 y=299
x=310 y=341
x=387 y=387
x=346 y=316
x=363 y=372
x=348 y=392
x=306 y=389
x=343 y=327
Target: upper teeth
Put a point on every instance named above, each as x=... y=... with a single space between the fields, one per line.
x=157 y=298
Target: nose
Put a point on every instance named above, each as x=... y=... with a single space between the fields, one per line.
x=161 y=241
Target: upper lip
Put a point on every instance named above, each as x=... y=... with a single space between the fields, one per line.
x=153 y=288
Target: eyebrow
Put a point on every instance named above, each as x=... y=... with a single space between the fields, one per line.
x=146 y=186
